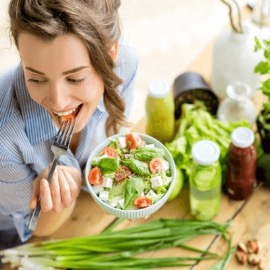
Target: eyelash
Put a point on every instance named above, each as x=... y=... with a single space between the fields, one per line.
x=73 y=81
x=37 y=81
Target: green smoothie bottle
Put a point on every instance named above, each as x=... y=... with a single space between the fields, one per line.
x=205 y=180
x=160 y=122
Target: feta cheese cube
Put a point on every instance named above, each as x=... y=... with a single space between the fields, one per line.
x=121 y=142
x=97 y=188
x=150 y=145
x=127 y=156
x=121 y=203
x=104 y=195
x=151 y=194
x=107 y=182
x=113 y=203
x=165 y=166
x=156 y=181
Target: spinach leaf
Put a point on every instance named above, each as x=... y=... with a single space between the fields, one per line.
x=108 y=165
x=134 y=188
x=137 y=166
x=147 y=153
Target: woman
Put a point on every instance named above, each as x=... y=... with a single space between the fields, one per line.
x=73 y=61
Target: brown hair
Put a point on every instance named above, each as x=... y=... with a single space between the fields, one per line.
x=95 y=22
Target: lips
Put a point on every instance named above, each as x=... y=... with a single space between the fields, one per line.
x=67 y=115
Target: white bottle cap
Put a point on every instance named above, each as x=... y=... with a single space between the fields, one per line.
x=242 y=137
x=158 y=88
x=205 y=152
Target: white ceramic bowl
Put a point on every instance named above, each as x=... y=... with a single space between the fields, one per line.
x=136 y=213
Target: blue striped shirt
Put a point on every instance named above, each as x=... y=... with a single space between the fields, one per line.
x=26 y=133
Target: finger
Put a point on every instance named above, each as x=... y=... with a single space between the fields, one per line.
x=55 y=192
x=45 y=196
x=65 y=192
x=74 y=186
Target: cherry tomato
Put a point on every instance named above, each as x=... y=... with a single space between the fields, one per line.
x=133 y=140
x=142 y=202
x=110 y=152
x=67 y=117
x=155 y=165
x=122 y=173
x=95 y=176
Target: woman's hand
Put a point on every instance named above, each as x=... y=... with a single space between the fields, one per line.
x=61 y=193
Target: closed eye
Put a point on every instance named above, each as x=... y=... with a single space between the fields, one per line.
x=37 y=81
x=75 y=81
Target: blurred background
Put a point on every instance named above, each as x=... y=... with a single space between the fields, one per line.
x=168 y=35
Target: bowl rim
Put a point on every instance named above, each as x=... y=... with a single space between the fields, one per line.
x=118 y=211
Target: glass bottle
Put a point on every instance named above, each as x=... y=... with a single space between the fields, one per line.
x=234 y=59
x=160 y=122
x=237 y=106
x=261 y=13
x=241 y=172
x=205 y=180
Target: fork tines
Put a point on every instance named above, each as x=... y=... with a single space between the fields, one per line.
x=65 y=131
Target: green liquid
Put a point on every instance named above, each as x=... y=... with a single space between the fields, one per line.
x=205 y=191
x=160 y=122
x=205 y=204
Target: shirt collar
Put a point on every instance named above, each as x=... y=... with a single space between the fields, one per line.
x=101 y=106
x=38 y=123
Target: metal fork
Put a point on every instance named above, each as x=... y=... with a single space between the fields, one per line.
x=59 y=147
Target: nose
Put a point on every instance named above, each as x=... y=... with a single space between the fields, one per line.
x=58 y=96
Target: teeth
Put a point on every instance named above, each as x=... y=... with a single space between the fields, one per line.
x=65 y=113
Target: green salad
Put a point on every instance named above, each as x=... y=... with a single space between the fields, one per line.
x=129 y=173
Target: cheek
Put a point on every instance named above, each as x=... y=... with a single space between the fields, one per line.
x=34 y=93
x=94 y=91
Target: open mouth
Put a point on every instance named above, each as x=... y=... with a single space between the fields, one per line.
x=68 y=115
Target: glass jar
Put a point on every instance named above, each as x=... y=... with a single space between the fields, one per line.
x=237 y=106
x=160 y=121
x=242 y=157
x=205 y=180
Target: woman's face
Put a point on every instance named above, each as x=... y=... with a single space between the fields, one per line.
x=60 y=77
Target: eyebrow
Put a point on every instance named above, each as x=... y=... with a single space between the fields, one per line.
x=64 y=73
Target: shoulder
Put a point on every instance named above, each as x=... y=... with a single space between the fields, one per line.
x=127 y=51
x=7 y=80
x=127 y=59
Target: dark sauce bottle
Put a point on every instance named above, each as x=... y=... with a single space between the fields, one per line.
x=242 y=157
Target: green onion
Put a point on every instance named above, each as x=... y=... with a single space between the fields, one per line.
x=119 y=249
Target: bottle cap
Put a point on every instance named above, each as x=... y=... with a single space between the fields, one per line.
x=158 y=88
x=242 y=137
x=205 y=152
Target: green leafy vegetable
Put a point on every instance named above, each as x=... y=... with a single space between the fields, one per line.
x=119 y=249
x=108 y=165
x=134 y=188
x=118 y=189
x=223 y=263
x=147 y=153
x=137 y=166
x=197 y=124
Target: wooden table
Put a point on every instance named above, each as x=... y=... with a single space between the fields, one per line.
x=250 y=220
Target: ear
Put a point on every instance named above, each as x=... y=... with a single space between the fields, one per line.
x=114 y=50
